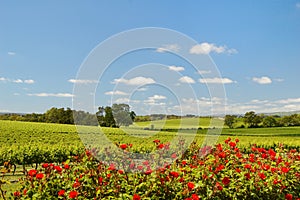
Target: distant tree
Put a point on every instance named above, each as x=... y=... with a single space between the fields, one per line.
x=230 y=120
x=122 y=114
x=109 y=117
x=132 y=115
x=269 y=121
x=291 y=120
x=252 y=119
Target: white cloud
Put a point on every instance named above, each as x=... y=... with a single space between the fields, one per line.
x=289 y=100
x=216 y=80
x=29 y=81
x=16 y=94
x=207 y=48
x=140 y=80
x=186 y=79
x=17 y=81
x=143 y=89
x=117 y=92
x=11 y=53
x=122 y=100
x=262 y=80
x=176 y=68
x=298 y=5
x=201 y=72
x=82 y=81
x=52 y=95
x=157 y=97
x=169 y=47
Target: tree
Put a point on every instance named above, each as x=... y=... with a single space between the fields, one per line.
x=109 y=117
x=122 y=114
x=270 y=121
x=252 y=119
x=230 y=120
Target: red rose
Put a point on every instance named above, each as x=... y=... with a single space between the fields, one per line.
x=195 y=197
x=58 y=168
x=219 y=186
x=39 y=176
x=289 y=196
x=17 y=194
x=61 y=193
x=226 y=180
x=285 y=169
x=191 y=185
x=45 y=165
x=32 y=172
x=66 y=166
x=73 y=194
x=232 y=144
x=123 y=146
x=136 y=197
x=262 y=176
x=174 y=174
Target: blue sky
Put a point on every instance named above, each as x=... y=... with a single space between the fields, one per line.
x=254 y=44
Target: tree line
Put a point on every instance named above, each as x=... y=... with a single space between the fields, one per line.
x=110 y=116
x=253 y=120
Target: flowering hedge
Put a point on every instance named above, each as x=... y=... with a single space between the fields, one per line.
x=220 y=172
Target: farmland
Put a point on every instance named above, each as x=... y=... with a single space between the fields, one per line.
x=26 y=143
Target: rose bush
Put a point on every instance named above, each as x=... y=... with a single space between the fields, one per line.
x=221 y=172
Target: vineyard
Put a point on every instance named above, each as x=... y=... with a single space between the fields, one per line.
x=26 y=147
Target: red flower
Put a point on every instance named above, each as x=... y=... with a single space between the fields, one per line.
x=222 y=154
x=289 y=196
x=61 y=193
x=226 y=180
x=73 y=194
x=45 y=165
x=232 y=144
x=174 y=156
x=160 y=146
x=100 y=180
x=76 y=184
x=227 y=140
x=174 y=174
x=17 y=194
x=262 y=176
x=195 y=197
x=132 y=165
x=24 y=191
x=285 y=169
x=39 y=176
x=247 y=175
x=140 y=167
x=149 y=171
x=123 y=146
x=156 y=141
x=219 y=186
x=111 y=167
x=247 y=166
x=238 y=170
x=32 y=172
x=58 y=168
x=183 y=162
x=190 y=185
x=121 y=171
x=237 y=140
x=136 y=197
x=66 y=166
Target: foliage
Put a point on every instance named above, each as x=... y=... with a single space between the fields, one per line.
x=229 y=120
x=221 y=172
x=252 y=119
